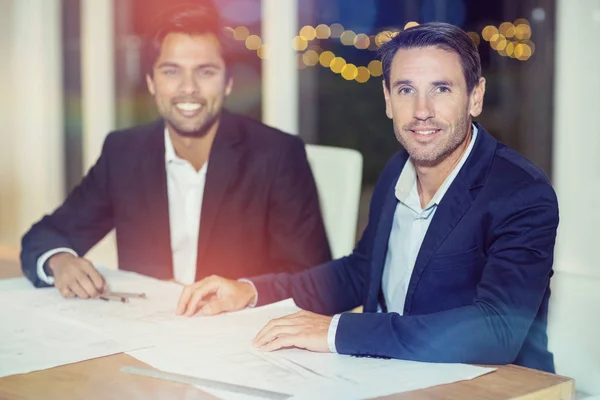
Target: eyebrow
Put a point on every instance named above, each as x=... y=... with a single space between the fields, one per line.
x=441 y=83
x=434 y=83
x=168 y=64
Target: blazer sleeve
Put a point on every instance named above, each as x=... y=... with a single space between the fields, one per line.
x=493 y=328
x=339 y=285
x=79 y=223
x=297 y=238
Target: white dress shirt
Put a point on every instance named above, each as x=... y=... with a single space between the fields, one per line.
x=409 y=227
x=185 y=190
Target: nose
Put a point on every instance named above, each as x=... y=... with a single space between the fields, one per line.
x=423 y=108
x=189 y=85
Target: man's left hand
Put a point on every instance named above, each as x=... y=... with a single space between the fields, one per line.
x=303 y=329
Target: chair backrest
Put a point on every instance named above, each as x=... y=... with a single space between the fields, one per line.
x=338 y=175
x=574 y=329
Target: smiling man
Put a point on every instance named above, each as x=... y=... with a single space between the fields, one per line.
x=455 y=263
x=201 y=191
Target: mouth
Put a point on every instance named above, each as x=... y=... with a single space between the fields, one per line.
x=188 y=109
x=425 y=132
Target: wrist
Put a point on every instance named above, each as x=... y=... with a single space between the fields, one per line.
x=55 y=261
x=249 y=293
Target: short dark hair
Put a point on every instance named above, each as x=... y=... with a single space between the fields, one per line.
x=435 y=34
x=192 y=18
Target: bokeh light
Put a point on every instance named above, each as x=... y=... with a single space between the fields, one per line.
x=349 y=72
x=375 y=68
x=363 y=75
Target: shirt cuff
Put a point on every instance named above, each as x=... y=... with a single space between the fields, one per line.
x=253 y=304
x=332 y=331
x=41 y=261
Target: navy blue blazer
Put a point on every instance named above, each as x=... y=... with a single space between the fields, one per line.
x=480 y=287
x=260 y=210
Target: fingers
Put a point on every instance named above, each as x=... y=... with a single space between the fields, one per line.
x=195 y=302
x=275 y=327
x=88 y=286
x=281 y=341
x=95 y=278
x=79 y=291
x=77 y=277
x=191 y=296
x=67 y=293
x=216 y=306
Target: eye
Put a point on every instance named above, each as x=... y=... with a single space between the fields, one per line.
x=207 y=72
x=170 y=71
x=405 y=90
x=442 y=89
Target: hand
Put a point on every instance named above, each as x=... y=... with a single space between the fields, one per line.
x=214 y=295
x=303 y=329
x=76 y=276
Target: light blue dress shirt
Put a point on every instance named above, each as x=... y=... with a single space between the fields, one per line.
x=409 y=227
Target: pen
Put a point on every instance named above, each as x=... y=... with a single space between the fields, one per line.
x=123 y=297
x=109 y=297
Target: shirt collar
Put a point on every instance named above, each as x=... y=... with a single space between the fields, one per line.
x=407 y=181
x=170 y=154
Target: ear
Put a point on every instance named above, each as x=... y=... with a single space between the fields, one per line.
x=476 y=98
x=150 y=84
x=228 y=86
x=388 y=101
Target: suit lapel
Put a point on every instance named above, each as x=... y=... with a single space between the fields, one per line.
x=451 y=209
x=223 y=165
x=154 y=179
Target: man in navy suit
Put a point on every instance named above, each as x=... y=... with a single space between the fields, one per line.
x=456 y=260
x=201 y=191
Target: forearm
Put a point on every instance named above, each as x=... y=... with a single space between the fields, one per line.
x=328 y=289
x=471 y=334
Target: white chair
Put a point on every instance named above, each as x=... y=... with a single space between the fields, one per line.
x=574 y=330
x=338 y=175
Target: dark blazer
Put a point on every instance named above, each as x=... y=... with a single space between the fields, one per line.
x=480 y=287
x=260 y=211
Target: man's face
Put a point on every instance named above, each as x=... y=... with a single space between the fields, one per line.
x=189 y=83
x=429 y=103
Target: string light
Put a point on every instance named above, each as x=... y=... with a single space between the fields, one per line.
x=337 y=65
x=253 y=42
x=347 y=38
x=509 y=40
x=375 y=68
x=241 y=33
x=336 y=30
x=362 y=41
x=349 y=72
x=323 y=31
x=488 y=32
x=299 y=43
x=308 y=32
x=363 y=75
x=326 y=58
x=310 y=58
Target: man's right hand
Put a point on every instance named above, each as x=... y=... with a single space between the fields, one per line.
x=214 y=295
x=75 y=276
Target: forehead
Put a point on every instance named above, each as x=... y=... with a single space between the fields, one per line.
x=181 y=47
x=426 y=63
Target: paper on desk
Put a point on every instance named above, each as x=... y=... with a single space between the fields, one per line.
x=138 y=320
x=15 y=284
x=40 y=329
x=30 y=341
x=222 y=351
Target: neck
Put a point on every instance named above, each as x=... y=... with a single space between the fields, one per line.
x=430 y=176
x=195 y=150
